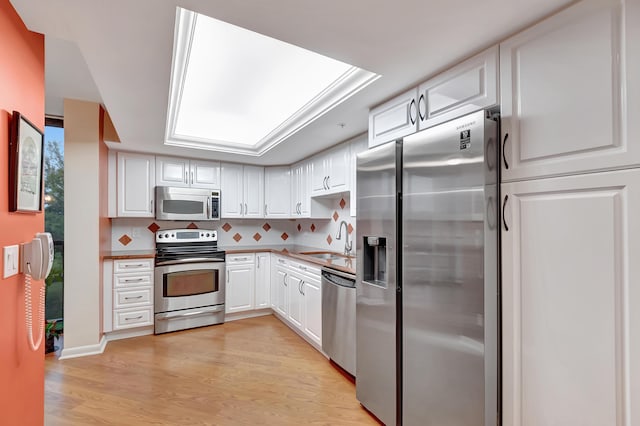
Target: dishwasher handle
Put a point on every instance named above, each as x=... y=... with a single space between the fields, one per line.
x=339 y=279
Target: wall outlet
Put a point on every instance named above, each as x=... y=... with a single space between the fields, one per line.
x=10 y=261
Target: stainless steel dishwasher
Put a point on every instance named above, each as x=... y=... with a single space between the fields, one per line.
x=339 y=318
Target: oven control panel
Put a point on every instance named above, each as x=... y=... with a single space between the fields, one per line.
x=186 y=235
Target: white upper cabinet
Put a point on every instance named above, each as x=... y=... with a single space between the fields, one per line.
x=570 y=92
x=570 y=297
x=330 y=172
x=182 y=172
x=253 y=177
x=467 y=87
x=242 y=191
x=205 y=174
x=277 y=192
x=135 y=183
x=394 y=119
x=300 y=189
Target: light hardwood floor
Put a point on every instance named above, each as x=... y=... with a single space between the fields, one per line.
x=248 y=372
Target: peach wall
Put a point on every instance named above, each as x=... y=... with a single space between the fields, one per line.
x=21 y=89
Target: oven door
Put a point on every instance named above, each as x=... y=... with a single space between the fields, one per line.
x=189 y=285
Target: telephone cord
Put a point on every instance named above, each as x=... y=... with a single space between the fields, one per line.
x=29 y=313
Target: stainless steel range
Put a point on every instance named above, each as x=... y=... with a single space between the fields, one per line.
x=189 y=279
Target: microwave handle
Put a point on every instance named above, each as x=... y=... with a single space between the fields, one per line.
x=208 y=207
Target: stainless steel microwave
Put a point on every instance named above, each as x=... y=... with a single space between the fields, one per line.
x=194 y=204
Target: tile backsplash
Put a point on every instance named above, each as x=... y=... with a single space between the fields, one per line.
x=139 y=233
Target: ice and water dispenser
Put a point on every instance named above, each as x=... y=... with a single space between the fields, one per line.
x=375 y=261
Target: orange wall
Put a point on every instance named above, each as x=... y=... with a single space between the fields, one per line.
x=21 y=89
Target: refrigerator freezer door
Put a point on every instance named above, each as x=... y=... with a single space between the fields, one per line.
x=376 y=288
x=449 y=275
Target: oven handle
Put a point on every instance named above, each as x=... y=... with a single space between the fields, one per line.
x=209 y=311
x=189 y=260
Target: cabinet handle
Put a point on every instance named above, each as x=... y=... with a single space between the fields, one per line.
x=265 y=209
x=240 y=209
x=191 y=178
x=246 y=210
x=133 y=319
x=504 y=205
x=302 y=287
x=328 y=182
x=258 y=261
x=186 y=177
x=421 y=101
x=137 y=265
x=412 y=109
x=208 y=207
x=132 y=298
x=228 y=278
x=300 y=208
x=137 y=280
x=304 y=268
x=151 y=205
x=284 y=279
x=504 y=157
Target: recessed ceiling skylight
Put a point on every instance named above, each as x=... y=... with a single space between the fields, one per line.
x=238 y=91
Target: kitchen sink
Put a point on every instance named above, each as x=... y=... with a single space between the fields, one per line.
x=324 y=255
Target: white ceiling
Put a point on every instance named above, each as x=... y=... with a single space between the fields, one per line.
x=119 y=53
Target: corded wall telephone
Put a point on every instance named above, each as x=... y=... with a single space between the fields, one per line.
x=37 y=260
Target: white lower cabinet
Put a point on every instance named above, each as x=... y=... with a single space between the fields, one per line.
x=312 y=320
x=240 y=290
x=128 y=294
x=570 y=298
x=280 y=302
x=296 y=299
x=263 y=280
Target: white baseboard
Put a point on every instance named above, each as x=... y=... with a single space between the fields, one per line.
x=87 y=350
x=299 y=332
x=247 y=314
x=125 y=334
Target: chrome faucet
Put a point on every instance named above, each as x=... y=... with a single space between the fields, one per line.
x=347 y=243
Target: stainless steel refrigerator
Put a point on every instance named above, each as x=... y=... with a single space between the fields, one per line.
x=427 y=290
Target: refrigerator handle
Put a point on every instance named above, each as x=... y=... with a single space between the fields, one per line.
x=504 y=205
x=504 y=158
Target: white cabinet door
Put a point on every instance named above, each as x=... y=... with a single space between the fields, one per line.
x=319 y=174
x=296 y=174
x=240 y=287
x=172 y=171
x=282 y=293
x=204 y=174
x=467 y=87
x=570 y=275
x=338 y=180
x=570 y=96
x=263 y=280
x=305 y=189
x=312 y=309
x=136 y=182
x=253 y=191
x=357 y=146
x=277 y=192
x=231 y=196
x=296 y=300
x=394 y=119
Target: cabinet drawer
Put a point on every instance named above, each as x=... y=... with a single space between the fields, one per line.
x=305 y=268
x=132 y=265
x=126 y=298
x=133 y=280
x=128 y=318
x=241 y=258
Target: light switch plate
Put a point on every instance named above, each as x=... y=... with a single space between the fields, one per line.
x=10 y=261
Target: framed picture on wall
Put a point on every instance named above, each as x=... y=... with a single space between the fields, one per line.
x=26 y=153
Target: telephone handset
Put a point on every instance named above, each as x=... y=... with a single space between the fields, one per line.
x=37 y=260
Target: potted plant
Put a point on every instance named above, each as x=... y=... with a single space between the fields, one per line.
x=52 y=329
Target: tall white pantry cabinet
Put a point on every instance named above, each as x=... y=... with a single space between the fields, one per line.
x=570 y=104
